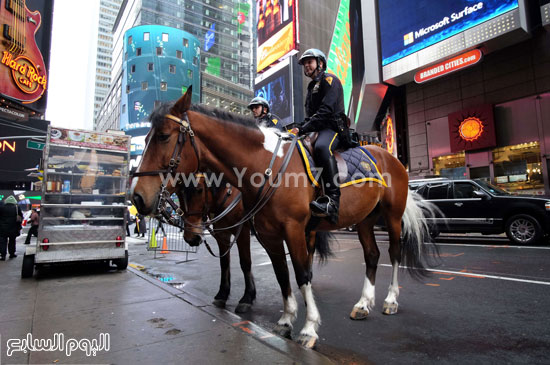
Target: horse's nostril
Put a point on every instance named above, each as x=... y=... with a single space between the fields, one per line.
x=195 y=241
x=138 y=201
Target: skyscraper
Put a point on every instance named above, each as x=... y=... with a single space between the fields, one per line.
x=224 y=29
x=108 y=11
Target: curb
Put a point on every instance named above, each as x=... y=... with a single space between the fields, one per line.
x=287 y=347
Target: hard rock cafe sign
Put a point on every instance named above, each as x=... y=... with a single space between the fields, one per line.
x=22 y=69
x=26 y=76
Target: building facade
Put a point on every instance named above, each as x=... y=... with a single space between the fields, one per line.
x=160 y=64
x=476 y=102
x=108 y=11
x=224 y=30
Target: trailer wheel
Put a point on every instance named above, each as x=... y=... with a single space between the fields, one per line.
x=122 y=264
x=27 y=270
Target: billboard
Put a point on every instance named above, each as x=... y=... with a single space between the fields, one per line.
x=278 y=91
x=24 y=51
x=22 y=149
x=276 y=30
x=407 y=27
x=339 y=60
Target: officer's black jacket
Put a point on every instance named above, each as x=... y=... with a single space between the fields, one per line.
x=324 y=103
x=272 y=121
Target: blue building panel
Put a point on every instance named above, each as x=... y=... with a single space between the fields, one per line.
x=160 y=64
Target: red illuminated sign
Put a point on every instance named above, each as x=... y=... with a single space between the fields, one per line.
x=446 y=67
x=472 y=129
x=390 y=141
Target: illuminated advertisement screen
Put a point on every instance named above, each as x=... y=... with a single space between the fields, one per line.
x=407 y=27
x=276 y=29
x=339 y=56
x=276 y=89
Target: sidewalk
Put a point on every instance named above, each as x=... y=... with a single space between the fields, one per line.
x=146 y=320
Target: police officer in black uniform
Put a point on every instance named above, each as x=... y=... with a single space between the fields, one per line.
x=260 y=109
x=325 y=114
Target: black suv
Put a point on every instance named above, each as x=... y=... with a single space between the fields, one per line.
x=476 y=206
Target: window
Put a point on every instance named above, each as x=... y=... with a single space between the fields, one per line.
x=163 y=86
x=165 y=37
x=157 y=104
x=190 y=74
x=438 y=191
x=185 y=42
x=172 y=69
x=146 y=36
x=133 y=68
x=144 y=85
x=123 y=108
x=159 y=51
x=150 y=66
x=518 y=169
x=464 y=190
x=129 y=40
x=179 y=54
x=125 y=56
x=138 y=51
x=195 y=61
x=127 y=89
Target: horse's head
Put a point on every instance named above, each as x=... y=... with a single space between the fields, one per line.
x=198 y=200
x=169 y=151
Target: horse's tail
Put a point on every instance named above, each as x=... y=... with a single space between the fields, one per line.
x=417 y=251
x=322 y=245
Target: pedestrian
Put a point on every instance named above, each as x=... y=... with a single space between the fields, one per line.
x=128 y=219
x=326 y=115
x=141 y=225
x=33 y=231
x=10 y=226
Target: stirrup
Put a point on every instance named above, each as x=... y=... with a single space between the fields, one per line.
x=321 y=207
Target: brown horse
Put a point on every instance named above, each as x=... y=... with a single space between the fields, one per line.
x=203 y=199
x=203 y=138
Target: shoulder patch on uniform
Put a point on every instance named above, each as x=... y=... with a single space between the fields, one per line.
x=274 y=121
x=329 y=80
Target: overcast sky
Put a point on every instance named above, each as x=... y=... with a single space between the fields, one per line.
x=72 y=64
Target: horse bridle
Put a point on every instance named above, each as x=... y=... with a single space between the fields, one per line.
x=164 y=195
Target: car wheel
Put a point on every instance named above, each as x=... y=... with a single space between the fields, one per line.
x=28 y=266
x=122 y=264
x=523 y=229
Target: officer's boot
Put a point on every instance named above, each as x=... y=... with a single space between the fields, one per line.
x=328 y=204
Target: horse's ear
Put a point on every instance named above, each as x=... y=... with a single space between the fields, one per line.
x=184 y=103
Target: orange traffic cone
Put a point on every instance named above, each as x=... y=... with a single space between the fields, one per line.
x=164 y=246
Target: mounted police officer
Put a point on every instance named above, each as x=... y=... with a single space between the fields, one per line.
x=260 y=109
x=325 y=114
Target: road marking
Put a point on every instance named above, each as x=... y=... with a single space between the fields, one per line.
x=433 y=284
x=480 y=276
x=489 y=246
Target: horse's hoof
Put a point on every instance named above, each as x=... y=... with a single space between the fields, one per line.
x=359 y=313
x=220 y=303
x=243 y=308
x=283 y=330
x=307 y=341
x=389 y=308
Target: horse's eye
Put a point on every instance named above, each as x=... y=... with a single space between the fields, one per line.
x=163 y=137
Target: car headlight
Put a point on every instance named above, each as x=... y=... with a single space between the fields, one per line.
x=547 y=206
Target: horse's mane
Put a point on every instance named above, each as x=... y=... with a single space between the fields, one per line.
x=157 y=116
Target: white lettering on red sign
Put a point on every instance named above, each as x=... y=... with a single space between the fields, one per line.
x=456 y=63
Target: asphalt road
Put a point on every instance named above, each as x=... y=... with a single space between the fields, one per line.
x=484 y=303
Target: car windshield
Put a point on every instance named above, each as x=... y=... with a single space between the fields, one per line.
x=491 y=188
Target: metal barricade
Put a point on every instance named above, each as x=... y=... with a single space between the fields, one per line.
x=164 y=238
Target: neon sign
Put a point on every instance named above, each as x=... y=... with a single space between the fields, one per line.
x=470 y=129
x=5 y=145
x=390 y=140
x=25 y=74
